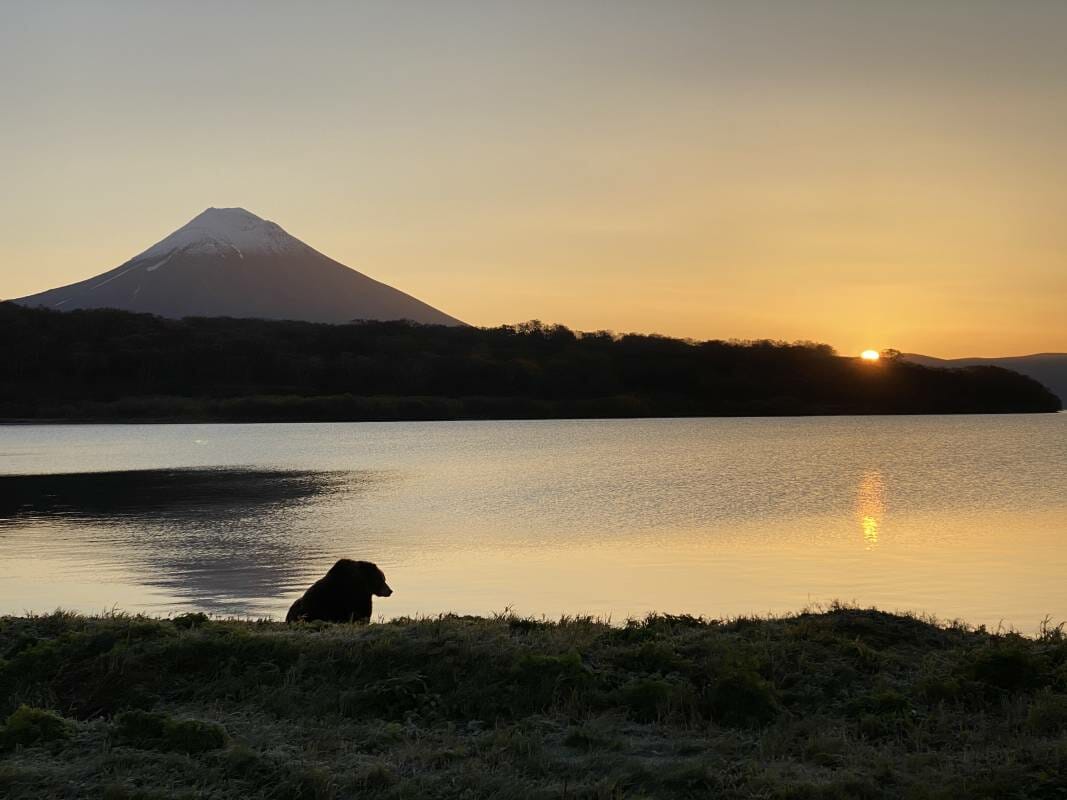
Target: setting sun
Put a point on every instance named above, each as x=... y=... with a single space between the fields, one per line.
x=869 y=355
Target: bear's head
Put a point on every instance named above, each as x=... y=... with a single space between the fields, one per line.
x=363 y=576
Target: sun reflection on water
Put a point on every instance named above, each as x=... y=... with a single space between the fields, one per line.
x=870 y=506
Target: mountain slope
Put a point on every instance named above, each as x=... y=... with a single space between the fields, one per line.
x=1047 y=368
x=229 y=262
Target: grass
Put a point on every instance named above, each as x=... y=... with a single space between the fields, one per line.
x=846 y=703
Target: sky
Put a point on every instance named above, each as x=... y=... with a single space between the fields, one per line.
x=864 y=174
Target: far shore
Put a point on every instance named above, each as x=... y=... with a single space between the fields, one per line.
x=114 y=366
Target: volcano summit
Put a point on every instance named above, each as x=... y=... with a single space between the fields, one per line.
x=227 y=262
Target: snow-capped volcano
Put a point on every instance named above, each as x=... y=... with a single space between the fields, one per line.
x=219 y=229
x=227 y=262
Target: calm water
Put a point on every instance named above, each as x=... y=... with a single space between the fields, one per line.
x=956 y=516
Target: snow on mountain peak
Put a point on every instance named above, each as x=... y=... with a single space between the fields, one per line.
x=218 y=231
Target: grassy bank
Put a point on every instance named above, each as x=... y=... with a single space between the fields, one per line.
x=842 y=704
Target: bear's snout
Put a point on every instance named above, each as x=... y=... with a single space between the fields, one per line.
x=385 y=591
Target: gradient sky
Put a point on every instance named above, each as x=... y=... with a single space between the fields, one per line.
x=867 y=174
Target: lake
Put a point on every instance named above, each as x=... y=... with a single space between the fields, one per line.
x=957 y=516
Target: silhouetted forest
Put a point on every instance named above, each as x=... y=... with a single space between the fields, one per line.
x=114 y=365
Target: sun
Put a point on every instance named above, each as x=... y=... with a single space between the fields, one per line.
x=870 y=355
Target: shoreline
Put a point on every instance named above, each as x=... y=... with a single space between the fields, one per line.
x=24 y=422
x=842 y=703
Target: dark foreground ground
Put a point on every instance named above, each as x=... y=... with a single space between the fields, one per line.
x=843 y=704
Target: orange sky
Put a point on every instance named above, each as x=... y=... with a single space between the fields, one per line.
x=868 y=175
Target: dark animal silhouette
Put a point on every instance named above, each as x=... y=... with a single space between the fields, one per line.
x=342 y=595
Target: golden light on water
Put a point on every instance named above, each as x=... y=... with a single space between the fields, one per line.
x=870 y=530
x=870 y=506
x=869 y=355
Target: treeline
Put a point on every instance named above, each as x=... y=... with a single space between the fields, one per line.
x=112 y=365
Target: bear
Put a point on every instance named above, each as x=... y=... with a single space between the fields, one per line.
x=342 y=595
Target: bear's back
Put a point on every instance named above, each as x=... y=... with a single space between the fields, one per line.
x=334 y=601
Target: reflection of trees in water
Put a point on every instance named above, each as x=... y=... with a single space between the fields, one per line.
x=221 y=539
x=870 y=505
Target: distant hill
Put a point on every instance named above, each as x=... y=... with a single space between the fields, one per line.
x=1049 y=369
x=113 y=365
x=227 y=262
